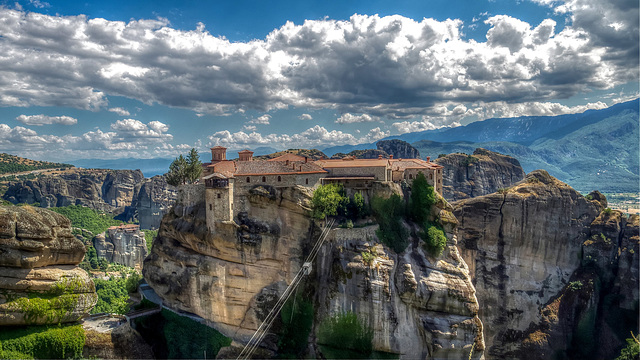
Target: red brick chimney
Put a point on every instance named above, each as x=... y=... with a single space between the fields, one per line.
x=391 y=156
x=218 y=153
x=379 y=157
x=428 y=158
x=245 y=155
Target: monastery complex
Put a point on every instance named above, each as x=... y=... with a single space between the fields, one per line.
x=228 y=182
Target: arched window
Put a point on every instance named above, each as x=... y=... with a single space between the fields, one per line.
x=279 y=178
x=410 y=176
x=248 y=179
x=264 y=179
x=306 y=181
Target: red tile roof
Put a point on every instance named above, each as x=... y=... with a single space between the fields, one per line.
x=348 y=162
x=288 y=156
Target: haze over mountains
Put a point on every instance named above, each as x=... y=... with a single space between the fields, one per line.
x=597 y=149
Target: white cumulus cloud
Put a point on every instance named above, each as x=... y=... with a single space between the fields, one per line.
x=39 y=120
x=120 y=111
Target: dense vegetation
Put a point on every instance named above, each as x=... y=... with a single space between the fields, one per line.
x=149 y=235
x=113 y=294
x=331 y=200
x=86 y=218
x=176 y=337
x=13 y=164
x=632 y=350
x=389 y=213
x=42 y=342
x=297 y=319
x=346 y=331
x=185 y=170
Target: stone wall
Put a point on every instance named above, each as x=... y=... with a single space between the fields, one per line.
x=379 y=172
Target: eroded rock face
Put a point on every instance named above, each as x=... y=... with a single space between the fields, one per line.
x=417 y=306
x=543 y=259
x=484 y=172
x=121 y=192
x=398 y=148
x=125 y=245
x=40 y=282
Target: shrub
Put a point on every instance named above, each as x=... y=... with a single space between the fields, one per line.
x=607 y=211
x=368 y=257
x=149 y=235
x=297 y=319
x=589 y=197
x=113 y=296
x=422 y=199
x=575 y=285
x=389 y=213
x=328 y=200
x=435 y=239
x=632 y=350
x=346 y=331
x=42 y=342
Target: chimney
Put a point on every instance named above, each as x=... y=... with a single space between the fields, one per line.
x=245 y=155
x=379 y=157
x=428 y=158
x=391 y=156
x=218 y=153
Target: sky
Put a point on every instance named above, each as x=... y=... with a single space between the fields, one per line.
x=148 y=79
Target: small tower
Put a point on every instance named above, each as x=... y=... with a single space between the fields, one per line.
x=245 y=155
x=218 y=199
x=218 y=153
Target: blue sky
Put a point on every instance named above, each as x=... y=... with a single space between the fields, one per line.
x=155 y=78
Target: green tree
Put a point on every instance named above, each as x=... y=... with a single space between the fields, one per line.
x=421 y=200
x=631 y=351
x=389 y=214
x=185 y=170
x=328 y=200
x=194 y=166
x=177 y=171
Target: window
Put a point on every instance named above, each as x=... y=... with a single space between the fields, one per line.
x=430 y=176
x=218 y=196
x=210 y=207
x=264 y=179
x=279 y=178
x=410 y=176
x=306 y=181
x=248 y=179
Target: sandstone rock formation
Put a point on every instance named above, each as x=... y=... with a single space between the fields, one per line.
x=484 y=172
x=40 y=282
x=113 y=338
x=543 y=260
x=125 y=245
x=417 y=305
x=121 y=192
x=398 y=148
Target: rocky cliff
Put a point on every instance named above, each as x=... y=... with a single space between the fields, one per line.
x=125 y=245
x=398 y=148
x=484 y=172
x=543 y=259
x=417 y=305
x=125 y=193
x=40 y=282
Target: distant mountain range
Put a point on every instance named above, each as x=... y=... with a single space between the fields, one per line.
x=149 y=167
x=597 y=149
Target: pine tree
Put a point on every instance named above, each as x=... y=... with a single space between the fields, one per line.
x=185 y=170
x=177 y=171
x=194 y=166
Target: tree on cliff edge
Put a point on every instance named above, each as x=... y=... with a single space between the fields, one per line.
x=185 y=171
